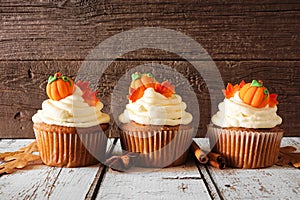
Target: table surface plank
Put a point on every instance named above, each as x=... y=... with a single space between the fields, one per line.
x=276 y=182
x=180 y=182
x=43 y=182
x=188 y=181
x=183 y=182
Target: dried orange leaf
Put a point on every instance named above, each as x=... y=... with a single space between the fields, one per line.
x=7 y=154
x=18 y=161
x=32 y=147
x=297 y=164
x=287 y=156
x=288 y=149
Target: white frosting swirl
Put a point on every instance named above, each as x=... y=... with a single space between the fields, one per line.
x=234 y=112
x=71 y=111
x=156 y=109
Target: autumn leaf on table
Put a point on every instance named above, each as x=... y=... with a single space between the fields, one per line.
x=19 y=159
x=32 y=147
x=287 y=156
x=89 y=96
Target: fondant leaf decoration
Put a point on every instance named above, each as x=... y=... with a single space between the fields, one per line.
x=165 y=88
x=88 y=95
x=273 y=100
x=242 y=83
x=228 y=92
x=231 y=90
x=137 y=94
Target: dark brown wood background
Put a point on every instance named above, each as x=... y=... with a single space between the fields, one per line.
x=249 y=40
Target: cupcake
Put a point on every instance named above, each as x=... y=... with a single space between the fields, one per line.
x=155 y=123
x=246 y=129
x=69 y=127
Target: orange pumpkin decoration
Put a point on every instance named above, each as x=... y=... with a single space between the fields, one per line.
x=59 y=86
x=140 y=82
x=255 y=94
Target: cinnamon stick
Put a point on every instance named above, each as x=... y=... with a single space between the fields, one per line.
x=122 y=162
x=199 y=153
x=216 y=160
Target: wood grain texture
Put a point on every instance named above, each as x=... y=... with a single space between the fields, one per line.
x=43 y=182
x=246 y=39
x=182 y=182
x=24 y=89
x=45 y=177
x=276 y=182
x=185 y=182
x=69 y=29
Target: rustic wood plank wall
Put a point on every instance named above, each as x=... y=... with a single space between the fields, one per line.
x=246 y=39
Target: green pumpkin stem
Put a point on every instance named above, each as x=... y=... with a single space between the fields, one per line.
x=135 y=76
x=66 y=79
x=58 y=75
x=51 y=79
x=255 y=83
x=266 y=92
x=150 y=75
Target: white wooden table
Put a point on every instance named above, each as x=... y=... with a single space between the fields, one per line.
x=190 y=181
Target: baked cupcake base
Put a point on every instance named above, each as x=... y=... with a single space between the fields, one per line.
x=246 y=148
x=158 y=146
x=70 y=147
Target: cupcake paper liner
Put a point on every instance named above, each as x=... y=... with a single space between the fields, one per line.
x=65 y=147
x=246 y=149
x=158 y=148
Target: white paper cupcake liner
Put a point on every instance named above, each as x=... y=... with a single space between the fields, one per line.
x=158 y=148
x=246 y=149
x=58 y=148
